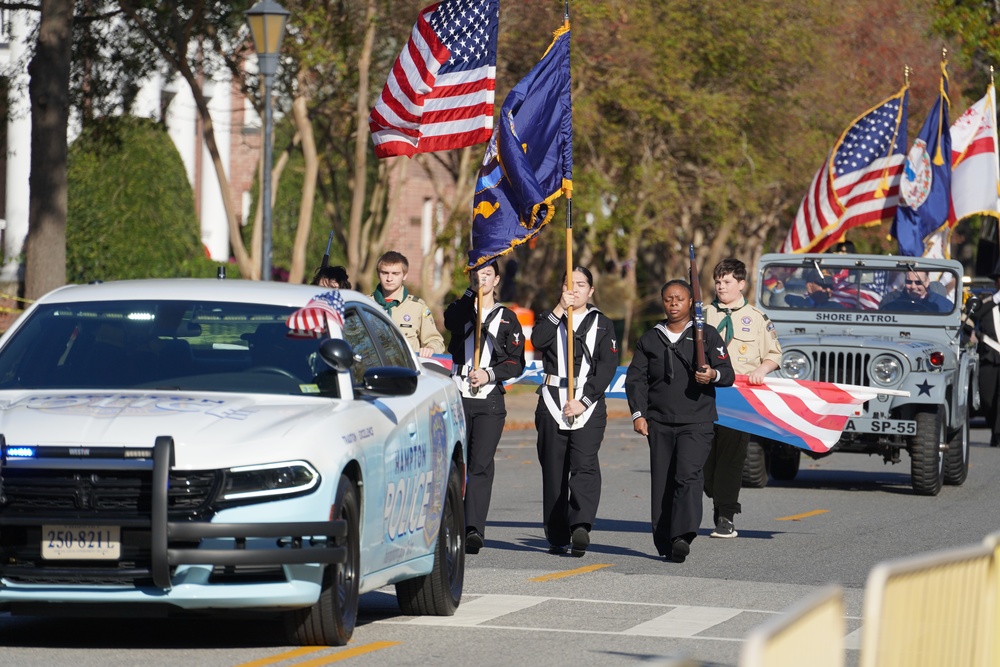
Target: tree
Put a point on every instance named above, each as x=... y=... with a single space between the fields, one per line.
x=45 y=246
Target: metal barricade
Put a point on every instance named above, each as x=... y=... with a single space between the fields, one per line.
x=810 y=632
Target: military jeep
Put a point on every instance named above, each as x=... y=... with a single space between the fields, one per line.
x=878 y=321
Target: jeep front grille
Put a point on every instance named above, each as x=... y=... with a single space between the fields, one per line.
x=842 y=367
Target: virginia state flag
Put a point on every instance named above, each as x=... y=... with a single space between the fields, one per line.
x=925 y=191
x=529 y=160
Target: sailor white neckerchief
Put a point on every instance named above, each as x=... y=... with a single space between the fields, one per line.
x=492 y=322
x=590 y=338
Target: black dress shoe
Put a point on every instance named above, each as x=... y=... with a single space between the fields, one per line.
x=557 y=549
x=679 y=550
x=473 y=541
x=580 y=541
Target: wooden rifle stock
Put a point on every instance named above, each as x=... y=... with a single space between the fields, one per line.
x=699 y=314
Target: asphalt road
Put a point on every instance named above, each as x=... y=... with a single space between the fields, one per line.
x=619 y=604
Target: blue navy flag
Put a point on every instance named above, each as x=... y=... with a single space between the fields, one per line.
x=529 y=161
x=925 y=191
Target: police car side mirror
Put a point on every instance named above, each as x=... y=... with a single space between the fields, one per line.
x=337 y=354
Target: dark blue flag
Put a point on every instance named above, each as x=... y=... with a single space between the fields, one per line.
x=529 y=161
x=925 y=191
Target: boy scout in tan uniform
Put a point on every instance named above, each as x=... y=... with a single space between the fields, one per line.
x=754 y=351
x=409 y=312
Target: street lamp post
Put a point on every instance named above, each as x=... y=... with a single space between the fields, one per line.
x=267 y=25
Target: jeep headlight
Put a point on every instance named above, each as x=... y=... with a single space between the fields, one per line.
x=795 y=365
x=269 y=480
x=886 y=370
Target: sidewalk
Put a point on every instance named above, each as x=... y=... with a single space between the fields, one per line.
x=521 y=401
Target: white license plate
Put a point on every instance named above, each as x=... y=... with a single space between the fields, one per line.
x=81 y=542
x=887 y=426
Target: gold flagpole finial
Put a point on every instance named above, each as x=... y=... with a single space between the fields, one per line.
x=944 y=53
x=906 y=75
x=991 y=75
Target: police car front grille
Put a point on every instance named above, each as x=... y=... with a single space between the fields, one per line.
x=106 y=492
x=842 y=367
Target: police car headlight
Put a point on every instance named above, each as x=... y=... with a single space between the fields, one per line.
x=886 y=370
x=268 y=481
x=796 y=366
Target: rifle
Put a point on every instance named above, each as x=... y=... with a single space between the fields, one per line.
x=699 y=315
x=326 y=258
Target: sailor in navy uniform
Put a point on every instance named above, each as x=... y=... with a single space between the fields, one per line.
x=501 y=358
x=571 y=428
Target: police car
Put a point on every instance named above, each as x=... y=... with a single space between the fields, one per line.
x=215 y=445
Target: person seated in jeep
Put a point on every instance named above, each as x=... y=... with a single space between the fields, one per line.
x=917 y=296
x=819 y=294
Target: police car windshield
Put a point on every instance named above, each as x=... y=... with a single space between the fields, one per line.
x=825 y=288
x=163 y=345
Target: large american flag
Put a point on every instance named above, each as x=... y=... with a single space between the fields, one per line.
x=440 y=93
x=858 y=184
x=801 y=413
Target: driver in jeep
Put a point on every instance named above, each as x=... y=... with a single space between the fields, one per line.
x=917 y=297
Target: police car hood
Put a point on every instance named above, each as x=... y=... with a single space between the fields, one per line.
x=206 y=427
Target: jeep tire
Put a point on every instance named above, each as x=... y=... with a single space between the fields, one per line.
x=926 y=458
x=784 y=461
x=755 y=467
x=956 y=459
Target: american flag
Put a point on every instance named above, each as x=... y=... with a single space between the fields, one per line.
x=858 y=184
x=868 y=296
x=805 y=414
x=440 y=93
x=802 y=413
x=312 y=320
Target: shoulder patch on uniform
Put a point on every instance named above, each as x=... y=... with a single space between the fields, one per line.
x=427 y=312
x=770 y=325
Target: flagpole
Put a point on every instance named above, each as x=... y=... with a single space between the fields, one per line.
x=479 y=334
x=570 y=356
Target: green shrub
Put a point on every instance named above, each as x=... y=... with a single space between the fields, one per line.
x=131 y=210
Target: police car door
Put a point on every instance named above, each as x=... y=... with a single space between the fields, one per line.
x=398 y=463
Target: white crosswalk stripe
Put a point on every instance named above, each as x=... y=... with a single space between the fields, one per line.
x=677 y=621
x=683 y=622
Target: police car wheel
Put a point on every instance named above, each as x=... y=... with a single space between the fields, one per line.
x=330 y=621
x=956 y=460
x=926 y=457
x=439 y=593
x=755 y=467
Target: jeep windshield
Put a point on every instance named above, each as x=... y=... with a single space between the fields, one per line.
x=163 y=345
x=818 y=286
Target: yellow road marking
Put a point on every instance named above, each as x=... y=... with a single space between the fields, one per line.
x=804 y=515
x=344 y=655
x=570 y=573
x=281 y=657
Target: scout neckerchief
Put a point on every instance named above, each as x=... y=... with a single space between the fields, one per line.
x=584 y=339
x=388 y=305
x=726 y=325
x=491 y=325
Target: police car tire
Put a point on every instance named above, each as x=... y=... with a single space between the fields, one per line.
x=784 y=462
x=330 y=621
x=439 y=593
x=956 y=460
x=755 y=467
x=926 y=459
